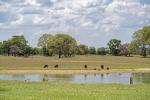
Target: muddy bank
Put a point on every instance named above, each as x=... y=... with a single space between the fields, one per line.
x=72 y=71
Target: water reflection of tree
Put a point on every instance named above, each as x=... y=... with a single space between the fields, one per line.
x=141 y=77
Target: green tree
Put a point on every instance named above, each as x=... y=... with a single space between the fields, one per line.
x=132 y=47
x=36 y=51
x=124 y=51
x=148 y=51
x=6 y=47
x=27 y=51
x=14 y=45
x=1 y=49
x=14 y=50
x=82 y=49
x=63 y=44
x=20 y=42
x=142 y=39
x=43 y=42
x=101 y=51
x=114 y=45
x=92 y=50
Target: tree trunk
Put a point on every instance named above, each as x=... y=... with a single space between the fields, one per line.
x=60 y=54
x=8 y=51
x=144 y=54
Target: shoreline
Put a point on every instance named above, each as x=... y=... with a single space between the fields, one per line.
x=138 y=70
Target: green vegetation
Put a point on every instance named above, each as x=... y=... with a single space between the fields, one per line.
x=142 y=39
x=61 y=44
x=15 y=90
x=65 y=45
x=114 y=45
x=77 y=62
x=17 y=46
x=82 y=49
x=101 y=51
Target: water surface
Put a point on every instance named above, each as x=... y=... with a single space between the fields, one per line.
x=121 y=78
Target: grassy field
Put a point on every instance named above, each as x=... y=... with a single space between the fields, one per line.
x=77 y=62
x=15 y=90
x=20 y=90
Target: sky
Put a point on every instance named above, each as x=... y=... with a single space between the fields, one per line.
x=91 y=22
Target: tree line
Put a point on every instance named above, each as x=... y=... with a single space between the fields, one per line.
x=65 y=45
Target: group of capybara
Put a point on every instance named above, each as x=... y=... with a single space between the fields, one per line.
x=56 y=66
x=85 y=66
x=102 y=67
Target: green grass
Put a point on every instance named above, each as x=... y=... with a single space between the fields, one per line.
x=77 y=62
x=19 y=90
x=16 y=90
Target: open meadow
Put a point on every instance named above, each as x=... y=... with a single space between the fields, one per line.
x=77 y=62
x=26 y=90
x=74 y=49
x=15 y=90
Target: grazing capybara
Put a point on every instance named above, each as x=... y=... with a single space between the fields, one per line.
x=107 y=68
x=85 y=66
x=102 y=66
x=45 y=66
x=56 y=66
x=94 y=69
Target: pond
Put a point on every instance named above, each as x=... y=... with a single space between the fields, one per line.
x=121 y=78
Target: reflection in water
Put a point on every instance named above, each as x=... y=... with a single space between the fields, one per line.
x=85 y=76
x=18 y=76
x=102 y=75
x=120 y=74
x=45 y=78
x=141 y=77
x=123 y=78
x=131 y=80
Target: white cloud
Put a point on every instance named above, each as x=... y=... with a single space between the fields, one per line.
x=100 y=19
x=3 y=7
x=19 y=21
x=94 y=35
x=38 y=20
x=32 y=3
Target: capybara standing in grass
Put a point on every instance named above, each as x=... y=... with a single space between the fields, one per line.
x=102 y=66
x=45 y=66
x=85 y=66
x=107 y=68
x=56 y=66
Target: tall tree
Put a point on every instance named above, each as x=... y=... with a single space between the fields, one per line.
x=20 y=41
x=63 y=44
x=101 y=51
x=124 y=50
x=1 y=49
x=82 y=49
x=43 y=42
x=132 y=47
x=114 y=45
x=92 y=50
x=142 y=38
x=6 y=47
x=14 y=50
x=14 y=45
